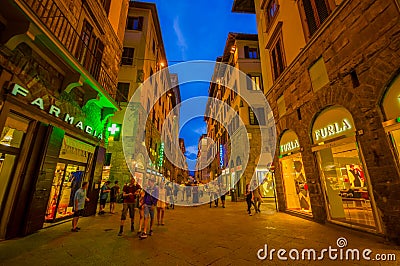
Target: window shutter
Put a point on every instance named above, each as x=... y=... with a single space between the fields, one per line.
x=246 y=52
x=308 y=10
x=323 y=11
x=140 y=27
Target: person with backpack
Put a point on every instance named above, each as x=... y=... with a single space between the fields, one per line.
x=113 y=196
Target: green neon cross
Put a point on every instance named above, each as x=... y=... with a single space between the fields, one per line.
x=113 y=129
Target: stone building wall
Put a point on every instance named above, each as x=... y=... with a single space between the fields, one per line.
x=361 y=38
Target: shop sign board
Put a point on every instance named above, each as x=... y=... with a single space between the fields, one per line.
x=221 y=155
x=56 y=111
x=289 y=142
x=332 y=123
x=332 y=129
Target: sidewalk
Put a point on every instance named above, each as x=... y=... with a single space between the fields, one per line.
x=191 y=236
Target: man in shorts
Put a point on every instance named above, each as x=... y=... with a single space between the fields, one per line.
x=79 y=205
x=150 y=202
x=129 y=193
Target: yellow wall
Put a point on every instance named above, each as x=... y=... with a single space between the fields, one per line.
x=293 y=36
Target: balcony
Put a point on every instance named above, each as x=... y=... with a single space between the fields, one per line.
x=87 y=53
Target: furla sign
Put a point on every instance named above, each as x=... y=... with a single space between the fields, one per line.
x=332 y=130
x=57 y=112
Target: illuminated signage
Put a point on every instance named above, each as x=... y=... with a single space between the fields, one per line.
x=161 y=159
x=290 y=146
x=332 y=129
x=56 y=111
x=113 y=129
x=221 y=155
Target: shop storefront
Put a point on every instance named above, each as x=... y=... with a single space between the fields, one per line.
x=391 y=111
x=294 y=179
x=41 y=164
x=346 y=184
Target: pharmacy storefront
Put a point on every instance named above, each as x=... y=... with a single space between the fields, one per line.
x=344 y=178
x=294 y=179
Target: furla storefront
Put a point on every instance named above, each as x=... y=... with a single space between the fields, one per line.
x=344 y=178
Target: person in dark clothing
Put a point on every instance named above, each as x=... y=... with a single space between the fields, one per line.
x=113 y=196
x=129 y=194
x=249 y=198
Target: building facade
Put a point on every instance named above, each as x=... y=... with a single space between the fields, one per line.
x=58 y=79
x=331 y=73
x=144 y=55
x=242 y=53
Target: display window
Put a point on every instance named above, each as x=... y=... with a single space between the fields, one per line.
x=67 y=180
x=391 y=110
x=346 y=185
x=294 y=178
x=68 y=177
x=11 y=140
x=295 y=183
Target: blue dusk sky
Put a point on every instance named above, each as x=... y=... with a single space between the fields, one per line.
x=197 y=30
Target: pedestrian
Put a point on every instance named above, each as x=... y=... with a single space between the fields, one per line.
x=249 y=198
x=79 y=205
x=257 y=197
x=129 y=193
x=195 y=192
x=105 y=190
x=141 y=210
x=113 y=196
x=150 y=202
x=182 y=187
x=170 y=195
x=223 y=194
x=161 y=203
x=188 y=189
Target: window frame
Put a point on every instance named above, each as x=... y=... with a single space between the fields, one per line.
x=330 y=5
x=125 y=59
x=252 y=117
x=131 y=26
x=269 y=20
x=272 y=48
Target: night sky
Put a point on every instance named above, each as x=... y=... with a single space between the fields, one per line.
x=197 y=30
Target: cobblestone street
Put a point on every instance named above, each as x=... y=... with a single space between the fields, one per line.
x=191 y=236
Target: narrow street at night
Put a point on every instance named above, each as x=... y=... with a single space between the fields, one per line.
x=234 y=132
x=191 y=236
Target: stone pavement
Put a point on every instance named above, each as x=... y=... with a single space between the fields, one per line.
x=191 y=236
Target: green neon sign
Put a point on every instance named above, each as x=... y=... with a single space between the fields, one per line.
x=113 y=129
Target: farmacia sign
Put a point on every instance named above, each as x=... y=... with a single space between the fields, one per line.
x=56 y=111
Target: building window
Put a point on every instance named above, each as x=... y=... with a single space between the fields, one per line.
x=252 y=117
x=127 y=56
x=254 y=82
x=251 y=52
x=134 y=23
x=277 y=58
x=318 y=74
x=106 y=4
x=271 y=10
x=123 y=92
x=315 y=12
